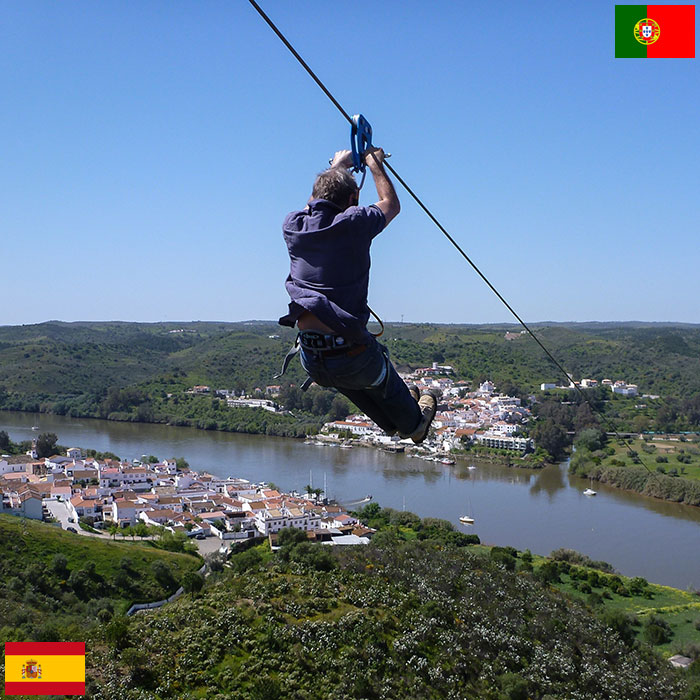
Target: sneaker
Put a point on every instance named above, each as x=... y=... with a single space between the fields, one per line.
x=413 y=391
x=428 y=406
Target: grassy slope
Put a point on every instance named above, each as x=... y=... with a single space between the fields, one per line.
x=24 y=542
x=667 y=448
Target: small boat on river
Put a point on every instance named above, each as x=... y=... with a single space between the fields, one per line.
x=468 y=519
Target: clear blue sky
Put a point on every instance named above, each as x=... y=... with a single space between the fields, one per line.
x=151 y=149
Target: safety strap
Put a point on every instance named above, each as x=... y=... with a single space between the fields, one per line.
x=288 y=358
x=381 y=323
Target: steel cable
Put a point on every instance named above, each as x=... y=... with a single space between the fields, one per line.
x=432 y=217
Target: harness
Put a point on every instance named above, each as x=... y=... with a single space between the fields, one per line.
x=325 y=344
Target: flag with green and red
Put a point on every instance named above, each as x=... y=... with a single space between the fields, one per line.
x=654 y=31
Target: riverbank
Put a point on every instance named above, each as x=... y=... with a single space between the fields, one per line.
x=637 y=479
x=542 y=510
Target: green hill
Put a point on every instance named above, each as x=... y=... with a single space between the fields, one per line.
x=418 y=613
x=125 y=371
x=55 y=584
x=415 y=618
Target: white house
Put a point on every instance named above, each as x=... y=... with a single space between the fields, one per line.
x=24 y=502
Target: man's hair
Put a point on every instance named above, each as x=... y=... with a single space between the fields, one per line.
x=336 y=185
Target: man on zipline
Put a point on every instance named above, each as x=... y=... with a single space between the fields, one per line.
x=328 y=243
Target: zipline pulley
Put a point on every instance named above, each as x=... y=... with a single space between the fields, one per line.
x=360 y=141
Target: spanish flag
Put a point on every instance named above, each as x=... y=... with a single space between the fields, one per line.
x=44 y=668
x=654 y=31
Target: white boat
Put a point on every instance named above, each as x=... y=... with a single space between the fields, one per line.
x=589 y=491
x=35 y=427
x=447 y=460
x=471 y=467
x=467 y=519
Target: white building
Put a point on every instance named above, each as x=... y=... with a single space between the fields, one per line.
x=505 y=442
x=274 y=519
x=486 y=389
x=355 y=427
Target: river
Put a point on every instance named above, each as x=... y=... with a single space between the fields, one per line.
x=540 y=510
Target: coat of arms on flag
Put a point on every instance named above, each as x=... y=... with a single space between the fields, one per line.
x=31 y=669
x=647 y=31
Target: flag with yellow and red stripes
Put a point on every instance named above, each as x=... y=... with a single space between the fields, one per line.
x=44 y=668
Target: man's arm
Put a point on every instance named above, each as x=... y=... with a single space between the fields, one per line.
x=388 y=201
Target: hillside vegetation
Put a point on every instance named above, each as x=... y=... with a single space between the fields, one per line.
x=421 y=612
x=125 y=371
x=55 y=584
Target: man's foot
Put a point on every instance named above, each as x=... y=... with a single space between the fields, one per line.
x=413 y=391
x=428 y=406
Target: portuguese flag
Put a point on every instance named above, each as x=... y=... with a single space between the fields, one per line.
x=654 y=31
x=44 y=668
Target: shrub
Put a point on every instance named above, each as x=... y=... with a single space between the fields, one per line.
x=657 y=631
x=548 y=572
x=503 y=557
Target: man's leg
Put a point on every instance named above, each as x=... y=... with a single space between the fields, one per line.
x=396 y=402
x=370 y=381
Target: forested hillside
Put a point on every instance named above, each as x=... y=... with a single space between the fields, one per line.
x=422 y=611
x=125 y=371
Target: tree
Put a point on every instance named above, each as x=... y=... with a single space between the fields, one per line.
x=117 y=632
x=192 y=582
x=590 y=439
x=59 y=564
x=551 y=437
x=289 y=536
x=370 y=511
x=46 y=445
x=163 y=574
x=5 y=441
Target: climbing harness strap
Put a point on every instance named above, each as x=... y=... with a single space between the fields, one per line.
x=327 y=345
x=289 y=356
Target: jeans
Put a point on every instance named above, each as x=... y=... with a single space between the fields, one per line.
x=370 y=381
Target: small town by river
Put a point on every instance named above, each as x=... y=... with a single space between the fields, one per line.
x=537 y=510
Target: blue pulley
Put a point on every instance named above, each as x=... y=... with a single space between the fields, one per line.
x=360 y=141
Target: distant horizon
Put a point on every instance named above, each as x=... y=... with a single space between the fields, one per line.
x=386 y=321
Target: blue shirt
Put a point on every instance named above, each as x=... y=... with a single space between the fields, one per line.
x=329 y=264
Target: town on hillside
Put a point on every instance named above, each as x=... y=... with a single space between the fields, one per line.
x=110 y=495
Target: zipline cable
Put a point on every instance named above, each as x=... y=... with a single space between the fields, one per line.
x=432 y=217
